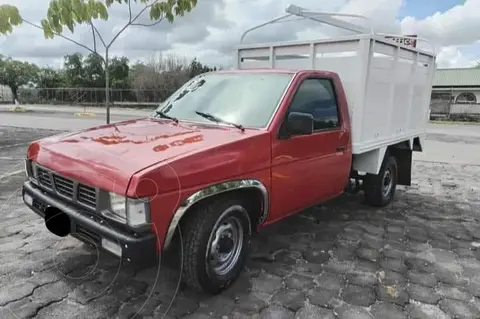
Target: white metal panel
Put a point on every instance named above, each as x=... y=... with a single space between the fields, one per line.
x=387 y=85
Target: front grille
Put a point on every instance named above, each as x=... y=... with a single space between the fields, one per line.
x=67 y=188
x=87 y=195
x=64 y=186
x=44 y=177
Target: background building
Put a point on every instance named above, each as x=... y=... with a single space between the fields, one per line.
x=456 y=93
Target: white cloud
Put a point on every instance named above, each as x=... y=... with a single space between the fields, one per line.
x=452 y=57
x=215 y=26
x=457 y=26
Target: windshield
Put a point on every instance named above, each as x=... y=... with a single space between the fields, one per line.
x=247 y=99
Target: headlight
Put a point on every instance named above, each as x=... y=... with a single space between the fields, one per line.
x=134 y=212
x=118 y=205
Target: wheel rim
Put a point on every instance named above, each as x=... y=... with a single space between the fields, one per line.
x=387 y=182
x=226 y=242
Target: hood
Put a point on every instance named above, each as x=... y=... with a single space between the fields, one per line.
x=107 y=156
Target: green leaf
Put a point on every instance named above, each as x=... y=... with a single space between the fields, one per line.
x=9 y=17
x=78 y=10
x=102 y=11
x=156 y=11
x=47 y=30
x=170 y=17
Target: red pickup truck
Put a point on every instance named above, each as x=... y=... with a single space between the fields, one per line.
x=229 y=153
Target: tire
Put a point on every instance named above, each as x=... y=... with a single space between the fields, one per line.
x=377 y=192
x=199 y=231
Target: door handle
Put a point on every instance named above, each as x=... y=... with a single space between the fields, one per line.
x=341 y=149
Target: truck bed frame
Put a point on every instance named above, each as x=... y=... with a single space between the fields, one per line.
x=388 y=84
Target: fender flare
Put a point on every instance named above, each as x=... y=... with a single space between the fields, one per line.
x=212 y=190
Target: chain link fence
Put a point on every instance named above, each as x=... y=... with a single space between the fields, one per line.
x=440 y=103
x=90 y=96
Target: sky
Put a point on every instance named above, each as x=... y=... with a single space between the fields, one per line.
x=211 y=31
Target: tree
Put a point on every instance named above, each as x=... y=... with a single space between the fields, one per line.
x=74 y=71
x=15 y=74
x=88 y=72
x=119 y=69
x=94 y=73
x=50 y=78
x=70 y=13
x=197 y=68
x=159 y=77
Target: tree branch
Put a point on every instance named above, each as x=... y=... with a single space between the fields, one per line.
x=147 y=25
x=143 y=10
x=130 y=21
x=94 y=39
x=98 y=33
x=130 y=11
x=63 y=37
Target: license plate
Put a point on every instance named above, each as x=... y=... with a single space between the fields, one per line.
x=28 y=199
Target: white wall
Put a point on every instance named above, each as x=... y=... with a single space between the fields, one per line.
x=465 y=108
x=5 y=93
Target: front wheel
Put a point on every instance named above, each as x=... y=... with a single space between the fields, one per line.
x=216 y=241
x=380 y=189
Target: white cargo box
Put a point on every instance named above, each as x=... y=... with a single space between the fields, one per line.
x=388 y=85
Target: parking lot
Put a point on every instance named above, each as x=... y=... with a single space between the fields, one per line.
x=418 y=258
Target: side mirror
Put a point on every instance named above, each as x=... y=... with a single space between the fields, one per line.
x=299 y=123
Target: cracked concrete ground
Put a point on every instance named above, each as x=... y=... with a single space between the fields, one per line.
x=418 y=258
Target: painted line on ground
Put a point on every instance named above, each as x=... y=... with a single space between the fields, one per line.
x=85 y=114
x=18 y=109
x=14 y=145
x=10 y=174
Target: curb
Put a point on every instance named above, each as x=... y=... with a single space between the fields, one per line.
x=454 y=122
x=18 y=109
x=85 y=114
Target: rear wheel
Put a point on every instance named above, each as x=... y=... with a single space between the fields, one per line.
x=380 y=189
x=216 y=240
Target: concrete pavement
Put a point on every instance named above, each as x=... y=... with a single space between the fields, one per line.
x=417 y=258
x=451 y=144
x=65 y=119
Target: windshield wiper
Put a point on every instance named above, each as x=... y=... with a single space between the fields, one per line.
x=214 y=118
x=164 y=115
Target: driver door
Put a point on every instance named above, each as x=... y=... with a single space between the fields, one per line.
x=307 y=169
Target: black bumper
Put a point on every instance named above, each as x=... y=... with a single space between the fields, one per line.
x=140 y=250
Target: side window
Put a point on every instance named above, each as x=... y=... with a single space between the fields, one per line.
x=317 y=97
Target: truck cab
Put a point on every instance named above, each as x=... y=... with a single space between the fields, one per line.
x=233 y=151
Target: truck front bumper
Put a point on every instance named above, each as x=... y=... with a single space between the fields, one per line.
x=139 y=249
